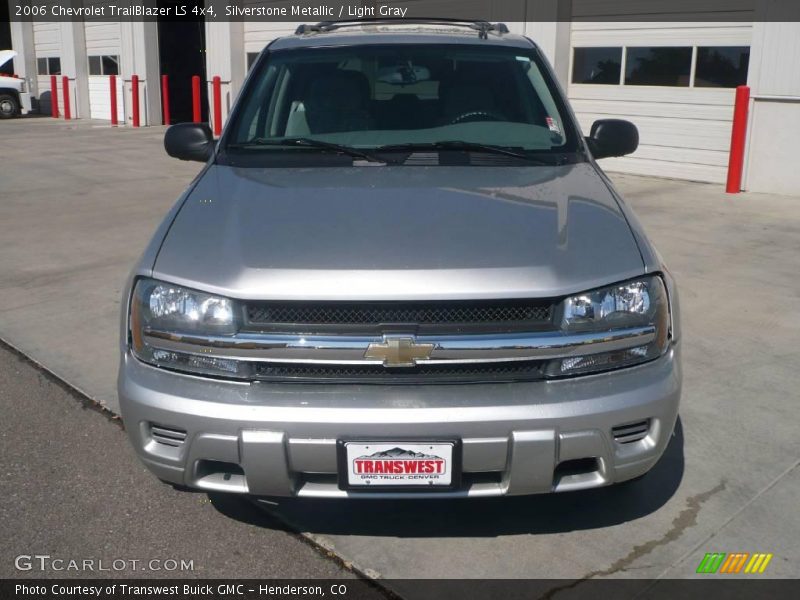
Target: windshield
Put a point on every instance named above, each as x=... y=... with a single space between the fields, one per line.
x=395 y=97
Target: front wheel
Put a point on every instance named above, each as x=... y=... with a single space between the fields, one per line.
x=9 y=106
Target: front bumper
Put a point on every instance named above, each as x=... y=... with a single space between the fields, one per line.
x=272 y=439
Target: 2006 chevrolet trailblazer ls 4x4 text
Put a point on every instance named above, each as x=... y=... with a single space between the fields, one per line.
x=401 y=273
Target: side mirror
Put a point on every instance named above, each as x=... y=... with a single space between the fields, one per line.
x=612 y=137
x=189 y=141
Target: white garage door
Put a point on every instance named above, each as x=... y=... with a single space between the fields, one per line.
x=675 y=81
x=103 y=42
x=100 y=98
x=47 y=47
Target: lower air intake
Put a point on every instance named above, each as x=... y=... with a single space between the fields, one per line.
x=169 y=436
x=631 y=432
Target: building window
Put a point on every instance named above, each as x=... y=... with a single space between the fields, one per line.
x=596 y=65
x=722 y=66
x=251 y=59
x=104 y=65
x=658 y=66
x=48 y=66
x=716 y=66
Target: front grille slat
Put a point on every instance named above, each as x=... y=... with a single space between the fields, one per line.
x=428 y=317
x=483 y=372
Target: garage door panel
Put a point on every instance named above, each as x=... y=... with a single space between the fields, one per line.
x=677 y=133
x=660 y=168
x=102 y=38
x=100 y=98
x=640 y=93
x=47 y=43
x=713 y=158
x=664 y=34
x=611 y=108
x=47 y=38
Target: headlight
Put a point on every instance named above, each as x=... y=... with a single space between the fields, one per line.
x=169 y=307
x=159 y=308
x=641 y=303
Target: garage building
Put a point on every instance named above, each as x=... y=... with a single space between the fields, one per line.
x=675 y=80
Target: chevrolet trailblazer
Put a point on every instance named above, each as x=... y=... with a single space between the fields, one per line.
x=400 y=273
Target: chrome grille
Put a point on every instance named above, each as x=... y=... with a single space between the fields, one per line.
x=424 y=317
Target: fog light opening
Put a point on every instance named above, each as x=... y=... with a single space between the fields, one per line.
x=578 y=466
x=219 y=475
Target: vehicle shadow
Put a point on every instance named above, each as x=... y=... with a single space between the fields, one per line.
x=484 y=517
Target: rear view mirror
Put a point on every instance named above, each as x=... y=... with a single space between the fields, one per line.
x=189 y=141
x=403 y=74
x=612 y=137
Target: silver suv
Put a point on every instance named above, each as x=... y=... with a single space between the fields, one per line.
x=401 y=273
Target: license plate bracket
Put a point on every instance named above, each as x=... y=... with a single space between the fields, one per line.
x=415 y=465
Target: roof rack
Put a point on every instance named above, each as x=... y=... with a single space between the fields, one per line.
x=482 y=27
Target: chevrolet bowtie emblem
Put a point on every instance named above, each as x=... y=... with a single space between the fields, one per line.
x=399 y=352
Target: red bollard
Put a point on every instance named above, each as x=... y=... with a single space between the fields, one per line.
x=196 y=98
x=217 y=85
x=65 y=91
x=738 y=139
x=135 y=99
x=165 y=100
x=53 y=97
x=112 y=81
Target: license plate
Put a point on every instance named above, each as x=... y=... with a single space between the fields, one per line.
x=375 y=464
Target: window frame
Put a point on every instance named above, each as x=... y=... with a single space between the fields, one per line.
x=740 y=48
x=47 y=63
x=689 y=50
x=622 y=50
x=102 y=64
x=695 y=54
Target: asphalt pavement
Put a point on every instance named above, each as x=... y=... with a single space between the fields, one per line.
x=72 y=489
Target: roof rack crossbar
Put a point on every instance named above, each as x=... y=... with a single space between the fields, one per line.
x=482 y=27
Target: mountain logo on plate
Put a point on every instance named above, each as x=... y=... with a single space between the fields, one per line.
x=399 y=461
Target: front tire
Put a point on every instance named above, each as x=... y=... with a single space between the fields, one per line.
x=9 y=106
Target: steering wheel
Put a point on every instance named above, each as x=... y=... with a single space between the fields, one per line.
x=477 y=115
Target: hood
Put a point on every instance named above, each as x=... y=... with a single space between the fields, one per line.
x=6 y=55
x=400 y=233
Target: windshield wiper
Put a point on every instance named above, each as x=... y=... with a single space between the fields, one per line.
x=468 y=146
x=311 y=143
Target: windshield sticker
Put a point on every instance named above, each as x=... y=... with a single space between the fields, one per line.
x=552 y=125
